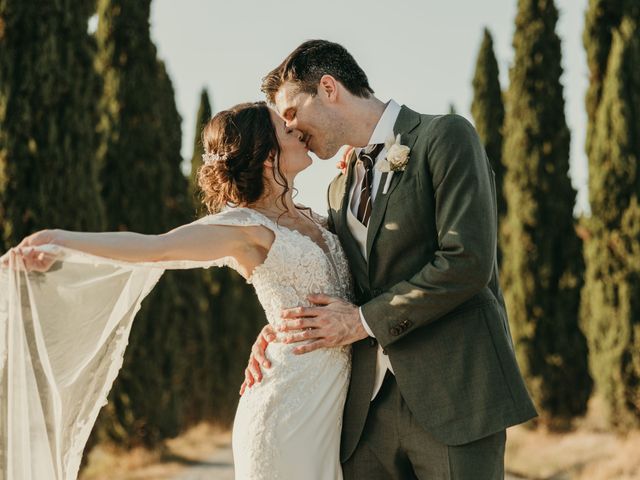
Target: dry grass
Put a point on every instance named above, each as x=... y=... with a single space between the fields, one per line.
x=589 y=452
x=107 y=462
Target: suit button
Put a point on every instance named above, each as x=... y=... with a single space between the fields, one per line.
x=395 y=331
x=376 y=292
x=373 y=342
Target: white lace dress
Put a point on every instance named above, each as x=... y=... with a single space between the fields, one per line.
x=288 y=426
x=63 y=335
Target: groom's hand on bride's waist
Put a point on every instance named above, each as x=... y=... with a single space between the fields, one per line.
x=331 y=322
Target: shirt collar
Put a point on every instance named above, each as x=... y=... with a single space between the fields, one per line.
x=384 y=127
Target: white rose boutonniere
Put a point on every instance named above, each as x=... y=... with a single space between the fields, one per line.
x=395 y=161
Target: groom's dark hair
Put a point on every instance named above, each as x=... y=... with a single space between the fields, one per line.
x=306 y=65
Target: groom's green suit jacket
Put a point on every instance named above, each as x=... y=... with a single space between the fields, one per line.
x=429 y=290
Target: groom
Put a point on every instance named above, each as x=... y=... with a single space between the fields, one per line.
x=434 y=380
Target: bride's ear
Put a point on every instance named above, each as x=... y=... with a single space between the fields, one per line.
x=270 y=162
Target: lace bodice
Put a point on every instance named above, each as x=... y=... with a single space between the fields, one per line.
x=295 y=266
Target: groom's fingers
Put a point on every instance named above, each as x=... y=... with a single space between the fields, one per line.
x=321 y=299
x=298 y=324
x=310 y=347
x=299 y=312
x=304 y=335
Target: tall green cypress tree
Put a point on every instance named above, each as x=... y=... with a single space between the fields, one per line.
x=48 y=169
x=611 y=295
x=190 y=323
x=156 y=394
x=542 y=265
x=131 y=122
x=132 y=176
x=487 y=109
x=203 y=116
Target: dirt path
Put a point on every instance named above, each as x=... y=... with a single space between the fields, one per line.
x=220 y=467
x=217 y=467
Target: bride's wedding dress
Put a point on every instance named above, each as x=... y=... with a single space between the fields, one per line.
x=288 y=426
x=63 y=336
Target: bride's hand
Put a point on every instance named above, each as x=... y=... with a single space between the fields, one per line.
x=33 y=259
x=41 y=237
x=253 y=372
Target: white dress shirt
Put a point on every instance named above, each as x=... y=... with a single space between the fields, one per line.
x=381 y=134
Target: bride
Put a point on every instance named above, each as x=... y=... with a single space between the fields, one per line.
x=287 y=426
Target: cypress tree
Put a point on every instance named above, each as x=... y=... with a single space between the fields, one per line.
x=487 y=109
x=610 y=302
x=131 y=121
x=190 y=323
x=601 y=18
x=155 y=395
x=542 y=265
x=203 y=116
x=48 y=169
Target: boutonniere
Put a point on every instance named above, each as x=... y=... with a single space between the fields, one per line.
x=343 y=164
x=395 y=161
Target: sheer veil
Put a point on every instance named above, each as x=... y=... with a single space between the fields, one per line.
x=63 y=334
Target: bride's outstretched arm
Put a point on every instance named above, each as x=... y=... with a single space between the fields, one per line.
x=188 y=242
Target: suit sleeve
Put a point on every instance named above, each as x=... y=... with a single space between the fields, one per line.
x=467 y=234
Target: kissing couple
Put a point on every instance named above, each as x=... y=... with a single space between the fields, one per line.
x=387 y=354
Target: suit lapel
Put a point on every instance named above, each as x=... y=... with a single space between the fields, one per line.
x=407 y=121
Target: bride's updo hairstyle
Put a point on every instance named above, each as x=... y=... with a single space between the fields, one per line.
x=236 y=143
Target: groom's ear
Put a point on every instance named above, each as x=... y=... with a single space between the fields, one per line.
x=329 y=88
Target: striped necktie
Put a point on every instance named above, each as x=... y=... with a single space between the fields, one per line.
x=367 y=157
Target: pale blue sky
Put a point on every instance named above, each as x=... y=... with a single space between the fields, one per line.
x=419 y=52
